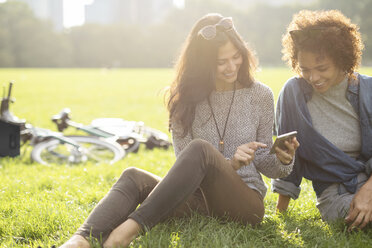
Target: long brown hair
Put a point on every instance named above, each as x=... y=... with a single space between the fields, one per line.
x=196 y=70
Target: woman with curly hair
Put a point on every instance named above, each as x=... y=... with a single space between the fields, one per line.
x=330 y=105
x=221 y=121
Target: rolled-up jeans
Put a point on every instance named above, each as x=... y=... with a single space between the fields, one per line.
x=200 y=180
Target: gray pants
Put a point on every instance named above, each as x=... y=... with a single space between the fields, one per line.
x=334 y=202
x=201 y=180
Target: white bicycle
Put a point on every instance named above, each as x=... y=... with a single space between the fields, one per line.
x=51 y=147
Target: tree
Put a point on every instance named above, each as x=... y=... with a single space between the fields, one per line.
x=27 y=41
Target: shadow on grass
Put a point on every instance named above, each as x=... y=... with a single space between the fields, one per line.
x=202 y=231
x=313 y=232
x=275 y=231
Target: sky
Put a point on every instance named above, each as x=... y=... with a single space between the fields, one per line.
x=74 y=11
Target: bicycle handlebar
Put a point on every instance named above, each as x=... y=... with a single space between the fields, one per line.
x=61 y=119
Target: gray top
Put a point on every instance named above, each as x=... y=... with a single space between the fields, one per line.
x=251 y=119
x=334 y=118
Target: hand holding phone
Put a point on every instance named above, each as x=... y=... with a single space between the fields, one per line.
x=279 y=142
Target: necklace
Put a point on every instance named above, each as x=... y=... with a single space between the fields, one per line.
x=221 y=144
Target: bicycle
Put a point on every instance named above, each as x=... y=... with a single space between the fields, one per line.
x=129 y=134
x=51 y=147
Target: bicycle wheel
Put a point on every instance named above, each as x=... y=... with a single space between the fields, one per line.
x=92 y=149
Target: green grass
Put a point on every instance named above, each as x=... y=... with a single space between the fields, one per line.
x=44 y=205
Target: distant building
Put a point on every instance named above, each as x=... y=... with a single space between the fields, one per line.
x=141 y=12
x=48 y=10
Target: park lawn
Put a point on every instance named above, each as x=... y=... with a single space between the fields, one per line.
x=44 y=205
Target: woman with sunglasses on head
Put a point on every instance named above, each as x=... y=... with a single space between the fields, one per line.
x=221 y=121
x=330 y=105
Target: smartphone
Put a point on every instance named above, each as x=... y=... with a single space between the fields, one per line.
x=279 y=142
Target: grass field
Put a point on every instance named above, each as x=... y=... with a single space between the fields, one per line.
x=44 y=205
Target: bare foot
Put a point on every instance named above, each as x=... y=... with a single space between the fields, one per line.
x=76 y=241
x=123 y=234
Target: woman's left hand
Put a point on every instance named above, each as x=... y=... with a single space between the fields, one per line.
x=360 y=212
x=286 y=156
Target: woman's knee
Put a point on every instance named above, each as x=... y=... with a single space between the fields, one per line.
x=200 y=152
x=200 y=146
x=132 y=173
x=141 y=178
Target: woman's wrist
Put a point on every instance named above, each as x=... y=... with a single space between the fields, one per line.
x=286 y=164
x=233 y=164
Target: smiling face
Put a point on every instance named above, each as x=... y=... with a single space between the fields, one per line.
x=319 y=71
x=229 y=60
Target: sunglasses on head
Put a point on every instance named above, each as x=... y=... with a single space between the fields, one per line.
x=299 y=36
x=209 y=32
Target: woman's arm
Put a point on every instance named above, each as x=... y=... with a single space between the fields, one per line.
x=179 y=142
x=268 y=164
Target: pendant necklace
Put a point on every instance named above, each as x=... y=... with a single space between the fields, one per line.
x=221 y=143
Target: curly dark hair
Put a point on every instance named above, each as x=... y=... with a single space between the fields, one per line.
x=196 y=70
x=326 y=32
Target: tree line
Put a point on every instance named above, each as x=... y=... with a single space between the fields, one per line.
x=26 y=41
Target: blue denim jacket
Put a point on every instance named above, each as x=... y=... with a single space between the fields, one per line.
x=317 y=159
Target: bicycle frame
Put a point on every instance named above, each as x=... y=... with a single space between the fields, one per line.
x=91 y=130
x=63 y=121
x=39 y=134
x=129 y=134
x=73 y=149
x=36 y=133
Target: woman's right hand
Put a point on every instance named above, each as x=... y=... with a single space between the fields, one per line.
x=286 y=156
x=244 y=154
